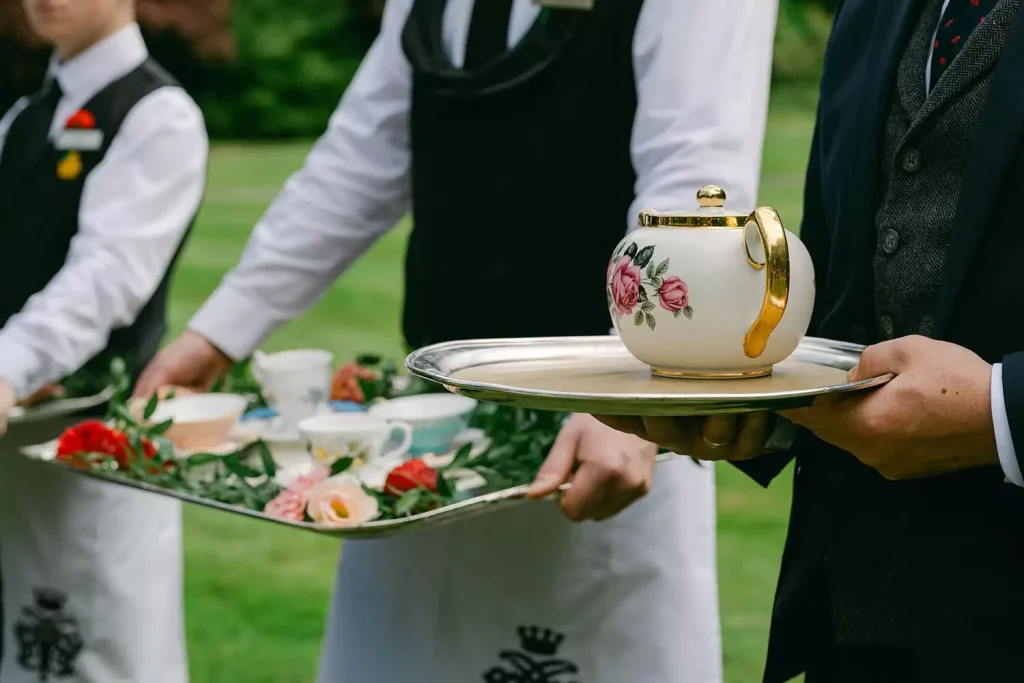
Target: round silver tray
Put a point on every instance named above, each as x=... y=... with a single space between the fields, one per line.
x=598 y=375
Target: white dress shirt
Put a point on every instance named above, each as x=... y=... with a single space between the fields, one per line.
x=702 y=73
x=136 y=206
x=1000 y=422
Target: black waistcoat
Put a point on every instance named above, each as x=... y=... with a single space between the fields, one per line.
x=522 y=177
x=39 y=213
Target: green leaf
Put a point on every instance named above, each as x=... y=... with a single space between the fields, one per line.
x=341 y=465
x=662 y=267
x=643 y=293
x=646 y=306
x=638 y=319
x=267 y=458
x=650 y=320
x=631 y=250
x=656 y=282
x=159 y=429
x=407 y=502
x=618 y=249
x=462 y=456
x=688 y=312
x=650 y=269
x=199 y=459
x=154 y=401
x=369 y=360
x=444 y=487
x=675 y=313
x=644 y=256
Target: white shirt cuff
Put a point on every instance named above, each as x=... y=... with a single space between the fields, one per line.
x=1001 y=425
x=233 y=322
x=19 y=367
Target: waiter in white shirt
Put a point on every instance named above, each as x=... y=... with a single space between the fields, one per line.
x=523 y=137
x=101 y=174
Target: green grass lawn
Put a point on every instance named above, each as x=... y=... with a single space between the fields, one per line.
x=256 y=595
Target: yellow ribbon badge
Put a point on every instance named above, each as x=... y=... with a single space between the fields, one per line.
x=70 y=166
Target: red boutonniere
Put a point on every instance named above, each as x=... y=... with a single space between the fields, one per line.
x=82 y=120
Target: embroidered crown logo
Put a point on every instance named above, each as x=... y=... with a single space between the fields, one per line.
x=540 y=641
x=47 y=637
x=536 y=663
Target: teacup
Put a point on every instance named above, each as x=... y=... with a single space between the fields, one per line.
x=436 y=419
x=296 y=384
x=359 y=436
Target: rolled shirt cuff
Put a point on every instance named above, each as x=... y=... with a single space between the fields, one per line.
x=233 y=322
x=1001 y=426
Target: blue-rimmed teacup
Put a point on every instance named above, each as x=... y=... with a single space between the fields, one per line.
x=436 y=419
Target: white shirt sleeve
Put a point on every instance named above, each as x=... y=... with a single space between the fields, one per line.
x=703 y=72
x=354 y=186
x=136 y=206
x=1001 y=425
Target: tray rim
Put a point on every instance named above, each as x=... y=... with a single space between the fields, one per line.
x=59 y=407
x=663 y=404
x=455 y=512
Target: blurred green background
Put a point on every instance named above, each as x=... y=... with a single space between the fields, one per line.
x=267 y=74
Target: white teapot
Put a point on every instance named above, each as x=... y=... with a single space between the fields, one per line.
x=709 y=294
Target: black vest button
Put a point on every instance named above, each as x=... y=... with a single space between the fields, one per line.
x=887 y=328
x=912 y=161
x=890 y=241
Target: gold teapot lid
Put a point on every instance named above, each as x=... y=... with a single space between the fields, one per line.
x=711 y=213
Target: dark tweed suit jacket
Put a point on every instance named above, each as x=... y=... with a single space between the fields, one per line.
x=913 y=224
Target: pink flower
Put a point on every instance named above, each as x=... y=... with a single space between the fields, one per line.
x=673 y=294
x=341 y=501
x=625 y=286
x=290 y=504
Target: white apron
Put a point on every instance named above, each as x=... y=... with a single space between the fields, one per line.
x=91 y=576
x=525 y=595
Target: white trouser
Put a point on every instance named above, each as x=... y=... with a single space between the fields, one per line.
x=525 y=595
x=91 y=576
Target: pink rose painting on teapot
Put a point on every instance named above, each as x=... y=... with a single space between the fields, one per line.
x=636 y=280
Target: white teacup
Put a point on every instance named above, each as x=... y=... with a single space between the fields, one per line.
x=359 y=436
x=296 y=384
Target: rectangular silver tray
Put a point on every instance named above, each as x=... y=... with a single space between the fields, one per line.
x=59 y=408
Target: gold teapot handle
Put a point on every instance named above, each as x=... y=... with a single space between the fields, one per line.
x=776 y=266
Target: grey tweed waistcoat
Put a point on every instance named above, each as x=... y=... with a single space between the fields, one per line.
x=928 y=139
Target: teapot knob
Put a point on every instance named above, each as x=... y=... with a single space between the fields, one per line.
x=711 y=195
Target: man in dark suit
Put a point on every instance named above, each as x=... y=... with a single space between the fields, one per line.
x=905 y=556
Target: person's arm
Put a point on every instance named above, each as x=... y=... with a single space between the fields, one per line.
x=136 y=207
x=354 y=186
x=702 y=101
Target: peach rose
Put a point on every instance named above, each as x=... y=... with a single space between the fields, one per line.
x=341 y=501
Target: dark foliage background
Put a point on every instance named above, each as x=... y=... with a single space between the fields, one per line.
x=276 y=68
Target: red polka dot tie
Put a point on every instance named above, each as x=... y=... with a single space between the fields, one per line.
x=958 y=22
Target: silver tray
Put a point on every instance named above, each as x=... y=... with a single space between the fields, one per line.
x=59 y=407
x=598 y=375
x=482 y=504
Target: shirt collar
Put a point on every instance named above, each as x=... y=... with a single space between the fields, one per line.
x=108 y=60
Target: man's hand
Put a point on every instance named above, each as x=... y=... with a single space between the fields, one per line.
x=7 y=401
x=614 y=469
x=190 y=361
x=934 y=417
x=719 y=437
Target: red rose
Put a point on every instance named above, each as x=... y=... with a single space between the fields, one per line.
x=414 y=474
x=625 y=285
x=81 y=119
x=673 y=294
x=345 y=386
x=92 y=436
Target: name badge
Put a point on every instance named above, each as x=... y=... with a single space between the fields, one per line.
x=79 y=140
x=566 y=4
